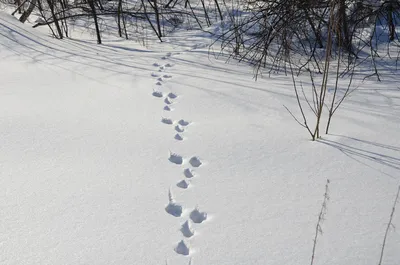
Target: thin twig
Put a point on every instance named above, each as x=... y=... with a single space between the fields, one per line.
x=321 y=218
x=388 y=226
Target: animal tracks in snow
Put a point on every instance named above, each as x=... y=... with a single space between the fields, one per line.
x=183 y=122
x=173 y=208
x=198 y=217
x=168 y=101
x=168 y=108
x=178 y=137
x=167 y=121
x=183 y=184
x=186 y=229
x=157 y=94
x=188 y=173
x=195 y=161
x=183 y=248
x=179 y=129
x=175 y=158
x=172 y=95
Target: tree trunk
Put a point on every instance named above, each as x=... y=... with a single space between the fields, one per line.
x=28 y=12
x=343 y=28
x=18 y=3
x=63 y=4
x=316 y=32
x=96 y=24
x=55 y=19
x=20 y=7
x=119 y=18
x=205 y=13
x=157 y=13
x=219 y=10
x=149 y=20
x=100 y=4
x=391 y=26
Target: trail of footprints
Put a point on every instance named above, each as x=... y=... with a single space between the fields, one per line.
x=173 y=208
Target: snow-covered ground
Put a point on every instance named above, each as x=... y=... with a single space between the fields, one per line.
x=96 y=140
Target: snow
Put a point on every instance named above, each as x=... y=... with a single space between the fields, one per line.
x=92 y=170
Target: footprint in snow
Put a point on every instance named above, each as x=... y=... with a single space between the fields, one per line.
x=167 y=76
x=183 y=184
x=155 y=75
x=195 y=161
x=178 y=137
x=159 y=83
x=168 y=101
x=156 y=64
x=188 y=173
x=173 y=208
x=175 y=158
x=186 y=229
x=172 y=95
x=167 y=121
x=182 y=248
x=160 y=79
x=179 y=129
x=183 y=122
x=162 y=67
x=168 y=108
x=198 y=217
x=157 y=94
x=169 y=65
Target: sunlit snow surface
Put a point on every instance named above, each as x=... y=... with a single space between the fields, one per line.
x=94 y=137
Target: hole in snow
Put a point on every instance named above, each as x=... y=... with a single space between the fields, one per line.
x=183 y=184
x=157 y=94
x=195 y=161
x=178 y=137
x=186 y=229
x=172 y=95
x=182 y=248
x=168 y=101
x=166 y=121
x=176 y=159
x=174 y=209
x=183 y=122
x=198 y=217
x=179 y=129
x=188 y=173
